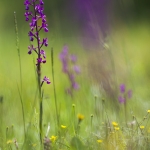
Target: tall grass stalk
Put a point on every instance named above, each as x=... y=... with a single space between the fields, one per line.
x=91 y=123
x=20 y=70
x=1 y=121
x=109 y=125
x=23 y=116
x=18 y=49
x=53 y=78
x=74 y=119
x=125 y=112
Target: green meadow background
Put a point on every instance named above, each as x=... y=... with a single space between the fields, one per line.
x=124 y=58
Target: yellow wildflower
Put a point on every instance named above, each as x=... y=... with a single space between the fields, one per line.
x=80 y=117
x=53 y=138
x=114 y=124
x=99 y=141
x=9 y=141
x=148 y=111
x=117 y=128
x=34 y=145
x=63 y=127
x=142 y=127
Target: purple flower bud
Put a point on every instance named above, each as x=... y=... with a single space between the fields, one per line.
x=29 y=52
x=46 y=29
x=27 y=7
x=41 y=2
x=30 y=33
x=27 y=19
x=44 y=61
x=39 y=60
x=26 y=2
x=76 y=69
x=121 y=99
x=45 y=42
x=31 y=38
x=65 y=50
x=42 y=52
x=75 y=85
x=73 y=58
x=43 y=20
x=27 y=14
x=122 y=88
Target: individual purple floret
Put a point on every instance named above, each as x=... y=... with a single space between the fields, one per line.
x=40 y=60
x=30 y=49
x=76 y=69
x=45 y=42
x=70 y=68
x=121 y=99
x=42 y=52
x=122 y=88
x=45 y=79
x=75 y=85
x=73 y=58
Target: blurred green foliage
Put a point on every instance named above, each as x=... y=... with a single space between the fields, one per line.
x=129 y=50
x=60 y=13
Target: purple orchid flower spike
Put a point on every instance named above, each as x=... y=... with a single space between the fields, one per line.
x=34 y=15
x=70 y=68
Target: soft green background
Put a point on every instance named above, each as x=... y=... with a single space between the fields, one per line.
x=125 y=61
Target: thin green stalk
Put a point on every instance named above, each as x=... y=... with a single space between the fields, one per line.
x=1 y=121
x=18 y=49
x=56 y=107
x=22 y=112
x=125 y=112
x=103 y=103
x=91 y=123
x=74 y=119
x=41 y=119
x=34 y=104
x=7 y=128
x=147 y=120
